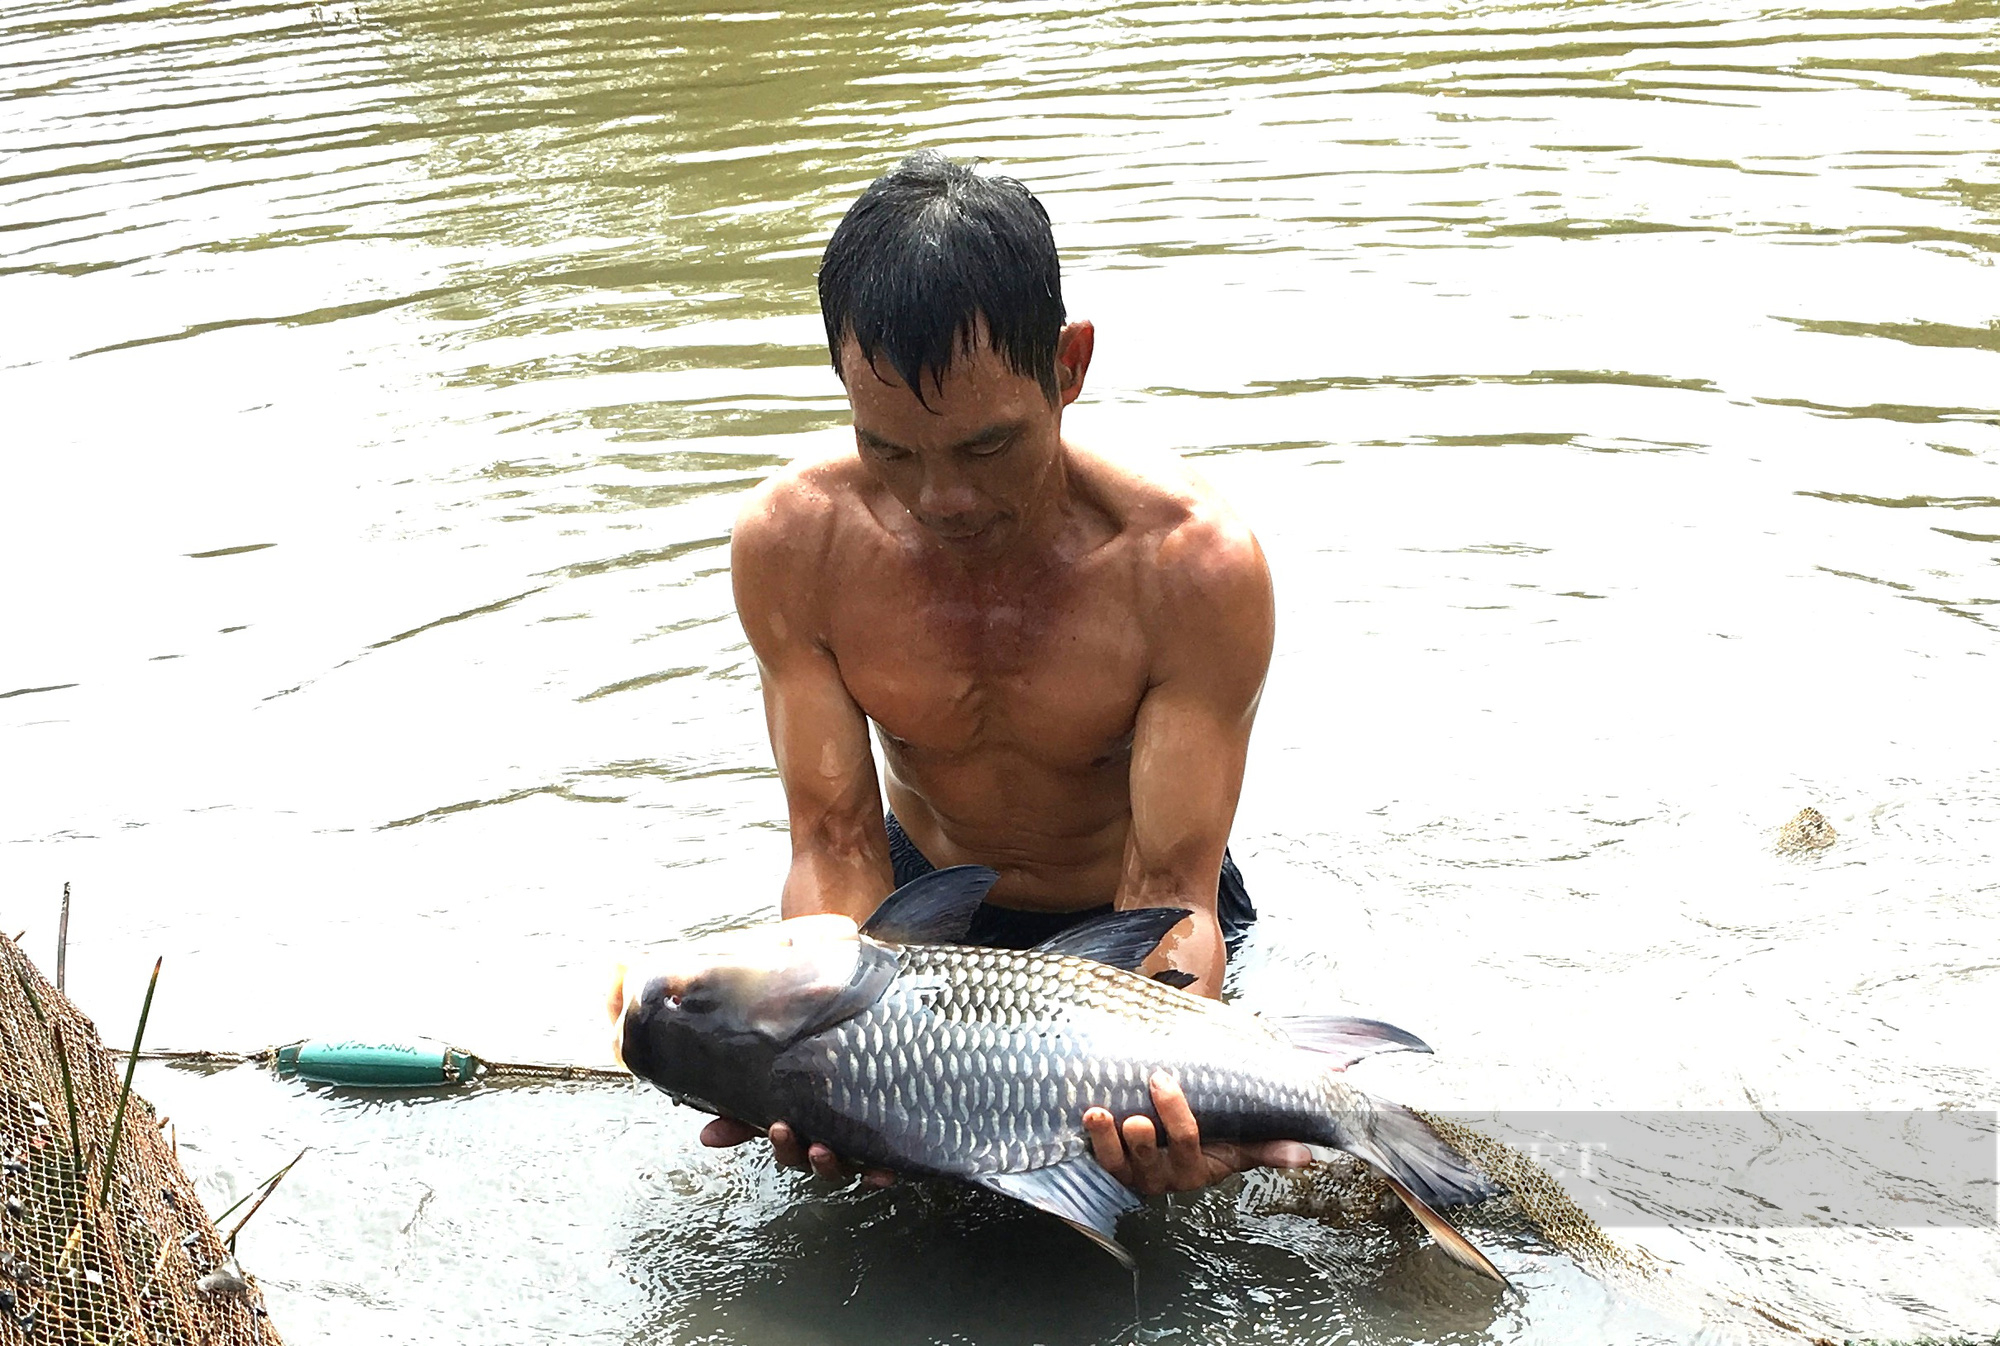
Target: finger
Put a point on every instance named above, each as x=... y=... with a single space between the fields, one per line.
x=786 y=1146
x=826 y=1164
x=877 y=1177
x=1279 y=1154
x=722 y=1132
x=1105 y=1143
x=1222 y=1158
x=1142 y=1148
x=1186 y=1168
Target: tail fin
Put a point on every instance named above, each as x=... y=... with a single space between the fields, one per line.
x=1402 y=1144
x=1420 y=1167
x=1456 y=1246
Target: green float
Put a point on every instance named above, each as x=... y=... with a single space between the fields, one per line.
x=416 y=1064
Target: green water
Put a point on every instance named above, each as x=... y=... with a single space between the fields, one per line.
x=1615 y=387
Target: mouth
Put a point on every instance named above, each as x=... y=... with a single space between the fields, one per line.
x=615 y=1003
x=959 y=534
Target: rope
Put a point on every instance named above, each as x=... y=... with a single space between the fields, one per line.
x=529 y=1070
x=201 y=1058
x=496 y=1072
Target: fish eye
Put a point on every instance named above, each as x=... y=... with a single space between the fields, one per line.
x=658 y=990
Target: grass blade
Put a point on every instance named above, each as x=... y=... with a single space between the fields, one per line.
x=69 y=1098
x=270 y=1185
x=62 y=1060
x=125 y=1093
x=237 y=1204
x=62 y=945
x=34 y=1001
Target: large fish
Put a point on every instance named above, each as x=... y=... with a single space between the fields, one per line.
x=900 y=1050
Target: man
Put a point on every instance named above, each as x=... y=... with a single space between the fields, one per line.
x=1061 y=649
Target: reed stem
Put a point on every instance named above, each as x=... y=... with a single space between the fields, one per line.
x=125 y=1093
x=62 y=945
x=69 y=1100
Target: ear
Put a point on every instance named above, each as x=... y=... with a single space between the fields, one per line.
x=1073 y=351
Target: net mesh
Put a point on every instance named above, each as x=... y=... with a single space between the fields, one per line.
x=1536 y=1203
x=1533 y=1209
x=124 y=1272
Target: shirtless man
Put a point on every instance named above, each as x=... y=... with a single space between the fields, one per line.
x=1061 y=650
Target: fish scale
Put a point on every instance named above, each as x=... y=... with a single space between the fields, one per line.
x=971 y=1025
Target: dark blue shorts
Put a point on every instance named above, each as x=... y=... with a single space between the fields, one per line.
x=1013 y=928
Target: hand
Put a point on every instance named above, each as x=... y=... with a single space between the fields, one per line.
x=1132 y=1153
x=791 y=1151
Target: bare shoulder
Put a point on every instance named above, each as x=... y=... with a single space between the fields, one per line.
x=785 y=542
x=1190 y=545
x=797 y=510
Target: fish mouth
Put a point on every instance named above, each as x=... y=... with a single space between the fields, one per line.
x=639 y=994
x=628 y=998
x=615 y=1003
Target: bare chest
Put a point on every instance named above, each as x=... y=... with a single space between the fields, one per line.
x=1052 y=670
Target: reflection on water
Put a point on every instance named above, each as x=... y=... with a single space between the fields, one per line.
x=1615 y=387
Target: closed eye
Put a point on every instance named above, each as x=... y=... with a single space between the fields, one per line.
x=881 y=449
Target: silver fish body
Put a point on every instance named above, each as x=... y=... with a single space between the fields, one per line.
x=979 y=1061
x=978 y=1064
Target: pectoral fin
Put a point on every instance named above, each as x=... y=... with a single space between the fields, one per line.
x=1078 y=1192
x=1346 y=1039
x=1120 y=938
x=936 y=908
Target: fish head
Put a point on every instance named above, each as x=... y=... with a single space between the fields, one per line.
x=715 y=1011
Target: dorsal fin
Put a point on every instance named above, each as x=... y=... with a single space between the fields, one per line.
x=1120 y=938
x=935 y=908
x=1176 y=978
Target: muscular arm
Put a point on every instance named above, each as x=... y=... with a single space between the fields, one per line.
x=840 y=852
x=778 y=559
x=1212 y=621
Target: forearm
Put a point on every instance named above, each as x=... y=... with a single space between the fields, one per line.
x=1194 y=946
x=843 y=869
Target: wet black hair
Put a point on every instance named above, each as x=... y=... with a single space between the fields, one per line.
x=929 y=250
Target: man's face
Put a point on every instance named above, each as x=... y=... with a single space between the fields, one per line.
x=979 y=462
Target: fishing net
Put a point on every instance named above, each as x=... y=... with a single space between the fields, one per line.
x=124 y=1271
x=1536 y=1203
x=1533 y=1210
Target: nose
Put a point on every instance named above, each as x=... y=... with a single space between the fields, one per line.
x=945 y=494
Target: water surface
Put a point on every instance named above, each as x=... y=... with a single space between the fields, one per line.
x=1615 y=387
